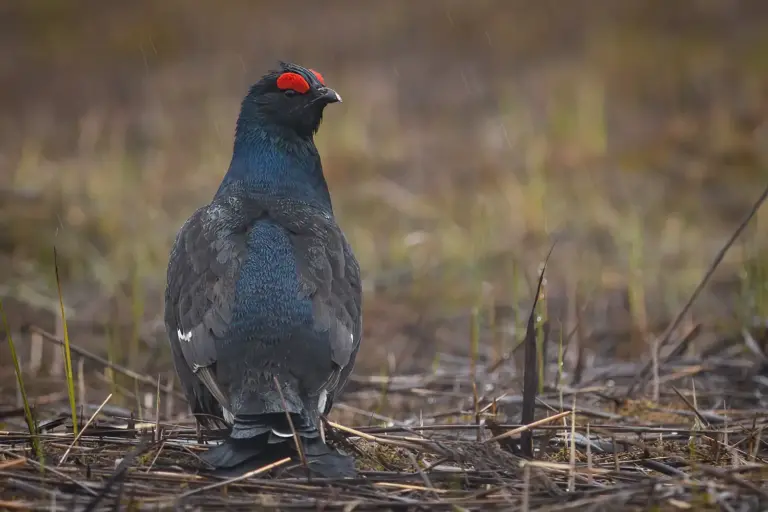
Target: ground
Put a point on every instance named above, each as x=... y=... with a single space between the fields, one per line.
x=473 y=135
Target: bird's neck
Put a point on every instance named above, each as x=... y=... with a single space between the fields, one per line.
x=274 y=163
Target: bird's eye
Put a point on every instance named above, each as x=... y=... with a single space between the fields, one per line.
x=290 y=92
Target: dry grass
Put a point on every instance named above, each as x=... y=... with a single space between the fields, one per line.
x=444 y=439
x=472 y=136
x=700 y=446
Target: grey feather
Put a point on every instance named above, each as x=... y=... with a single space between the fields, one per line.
x=204 y=267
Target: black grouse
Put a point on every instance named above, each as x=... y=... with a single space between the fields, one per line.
x=264 y=290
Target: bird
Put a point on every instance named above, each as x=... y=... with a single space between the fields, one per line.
x=263 y=296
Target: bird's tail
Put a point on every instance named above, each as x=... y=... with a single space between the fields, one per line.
x=258 y=441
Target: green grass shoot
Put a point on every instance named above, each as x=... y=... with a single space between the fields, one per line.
x=31 y=424
x=137 y=311
x=67 y=354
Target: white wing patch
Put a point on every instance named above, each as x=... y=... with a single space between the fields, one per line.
x=184 y=337
x=322 y=400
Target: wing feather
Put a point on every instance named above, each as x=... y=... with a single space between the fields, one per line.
x=204 y=264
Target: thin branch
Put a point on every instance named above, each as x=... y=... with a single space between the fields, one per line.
x=642 y=377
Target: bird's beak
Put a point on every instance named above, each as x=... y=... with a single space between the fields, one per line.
x=330 y=96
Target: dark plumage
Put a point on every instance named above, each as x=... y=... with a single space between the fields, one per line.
x=262 y=285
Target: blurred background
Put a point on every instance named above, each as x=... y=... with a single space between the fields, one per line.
x=473 y=134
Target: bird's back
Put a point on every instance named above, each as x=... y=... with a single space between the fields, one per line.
x=263 y=310
x=276 y=330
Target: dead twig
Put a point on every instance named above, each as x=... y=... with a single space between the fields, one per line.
x=665 y=338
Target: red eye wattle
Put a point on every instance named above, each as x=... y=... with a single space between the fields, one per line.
x=293 y=82
x=318 y=76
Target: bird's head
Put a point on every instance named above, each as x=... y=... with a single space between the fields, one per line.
x=291 y=99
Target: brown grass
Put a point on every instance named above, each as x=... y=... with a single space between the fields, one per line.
x=701 y=445
x=472 y=135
